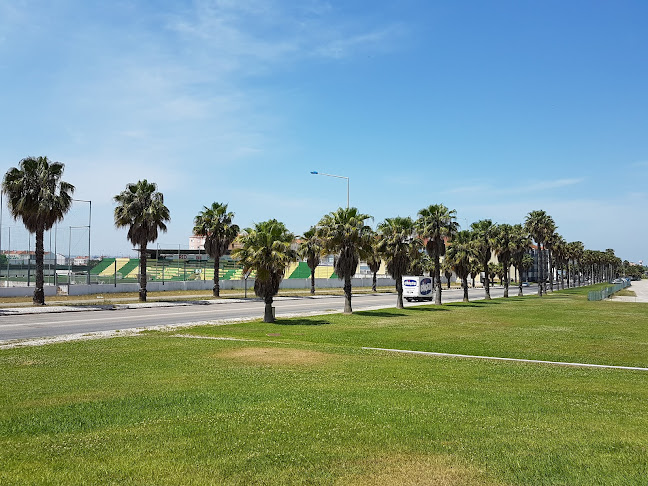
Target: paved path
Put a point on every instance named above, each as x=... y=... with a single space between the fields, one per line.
x=639 y=287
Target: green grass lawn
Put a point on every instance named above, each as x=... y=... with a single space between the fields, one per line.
x=301 y=403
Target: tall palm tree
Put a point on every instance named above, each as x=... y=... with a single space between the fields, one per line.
x=551 y=239
x=266 y=248
x=447 y=269
x=540 y=226
x=521 y=242
x=374 y=260
x=560 y=255
x=215 y=224
x=459 y=254
x=396 y=235
x=483 y=233
x=576 y=249
x=140 y=207
x=310 y=249
x=436 y=224
x=345 y=233
x=503 y=245
x=475 y=265
x=38 y=196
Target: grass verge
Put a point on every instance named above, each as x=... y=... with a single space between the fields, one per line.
x=301 y=403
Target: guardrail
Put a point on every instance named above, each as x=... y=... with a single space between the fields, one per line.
x=607 y=291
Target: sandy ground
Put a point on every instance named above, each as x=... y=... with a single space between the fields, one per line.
x=640 y=288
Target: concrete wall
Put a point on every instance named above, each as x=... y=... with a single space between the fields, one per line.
x=295 y=283
x=50 y=291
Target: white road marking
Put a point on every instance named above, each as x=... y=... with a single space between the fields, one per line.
x=584 y=365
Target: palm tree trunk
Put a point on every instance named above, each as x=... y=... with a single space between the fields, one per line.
x=540 y=270
x=39 y=291
x=216 y=289
x=347 y=294
x=506 y=279
x=142 y=276
x=399 y=292
x=520 y=292
x=437 y=283
x=312 y=281
x=373 y=282
x=464 y=282
x=579 y=275
x=551 y=279
x=486 y=281
x=267 y=315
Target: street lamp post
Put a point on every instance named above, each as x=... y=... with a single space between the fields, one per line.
x=89 y=230
x=338 y=177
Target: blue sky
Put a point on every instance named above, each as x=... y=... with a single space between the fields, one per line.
x=493 y=108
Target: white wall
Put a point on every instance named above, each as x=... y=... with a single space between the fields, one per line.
x=295 y=283
x=50 y=291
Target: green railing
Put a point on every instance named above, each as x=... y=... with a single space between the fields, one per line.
x=607 y=291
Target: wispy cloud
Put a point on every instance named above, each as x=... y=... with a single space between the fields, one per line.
x=545 y=185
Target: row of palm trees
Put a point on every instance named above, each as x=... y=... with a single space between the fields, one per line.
x=432 y=243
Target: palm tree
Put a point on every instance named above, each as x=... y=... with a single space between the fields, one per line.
x=493 y=271
x=503 y=245
x=38 y=196
x=550 y=242
x=141 y=208
x=374 y=260
x=475 y=265
x=420 y=260
x=459 y=255
x=436 y=224
x=310 y=249
x=560 y=255
x=525 y=266
x=447 y=270
x=483 y=233
x=396 y=235
x=576 y=249
x=344 y=232
x=520 y=243
x=215 y=224
x=540 y=226
x=266 y=248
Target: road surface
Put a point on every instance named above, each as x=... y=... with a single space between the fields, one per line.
x=13 y=327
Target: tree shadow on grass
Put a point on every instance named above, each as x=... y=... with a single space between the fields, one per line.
x=428 y=309
x=467 y=304
x=305 y=321
x=379 y=314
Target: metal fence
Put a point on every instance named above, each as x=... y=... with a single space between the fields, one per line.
x=607 y=291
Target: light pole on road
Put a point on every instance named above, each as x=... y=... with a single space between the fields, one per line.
x=337 y=176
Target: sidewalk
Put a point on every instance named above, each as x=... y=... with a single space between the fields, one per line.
x=639 y=287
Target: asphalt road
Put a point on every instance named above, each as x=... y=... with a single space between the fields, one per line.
x=28 y=326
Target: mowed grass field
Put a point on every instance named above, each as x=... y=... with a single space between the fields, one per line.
x=300 y=401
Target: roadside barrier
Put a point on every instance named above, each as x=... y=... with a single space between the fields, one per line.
x=607 y=291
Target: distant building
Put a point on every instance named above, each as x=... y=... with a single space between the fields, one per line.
x=196 y=242
x=19 y=257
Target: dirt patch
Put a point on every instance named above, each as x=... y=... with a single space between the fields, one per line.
x=402 y=470
x=276 y=356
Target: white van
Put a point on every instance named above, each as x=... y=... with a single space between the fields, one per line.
x=417 y=288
